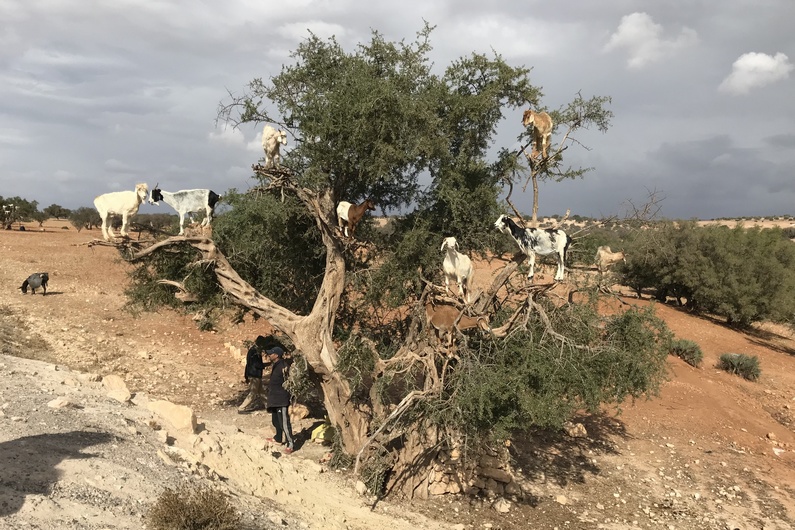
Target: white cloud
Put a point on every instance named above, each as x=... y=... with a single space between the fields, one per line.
x=754 y=70
x=228 y=136
x=643 y=40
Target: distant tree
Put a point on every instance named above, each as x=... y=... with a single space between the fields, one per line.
x=84 y=217
x=39 y=217
x=57 y=211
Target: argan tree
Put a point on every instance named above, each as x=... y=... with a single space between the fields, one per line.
x=381 y=123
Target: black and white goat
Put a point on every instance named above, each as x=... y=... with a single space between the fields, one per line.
x=534 y=241
x=186 y=201
x=124 y=203
x=34 y=281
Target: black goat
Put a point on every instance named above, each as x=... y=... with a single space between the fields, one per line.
x=34 y=281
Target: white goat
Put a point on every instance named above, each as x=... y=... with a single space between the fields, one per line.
x=271 y=140
x=124 y=203
x=605 y=258
x=186 y=201
x=534 y=241
x=458 y=267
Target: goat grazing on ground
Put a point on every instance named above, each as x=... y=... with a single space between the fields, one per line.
x=272 y=138
x=457 y=267
x=187 y=201
x=445 y=319
x=534 y=241
x=34 y=281
x=124 y=203
x=605 y=258
x=349 y=215
x=542 y=130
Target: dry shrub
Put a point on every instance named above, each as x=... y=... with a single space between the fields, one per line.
x=193 y=508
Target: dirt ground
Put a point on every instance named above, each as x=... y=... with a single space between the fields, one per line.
x=713 y=451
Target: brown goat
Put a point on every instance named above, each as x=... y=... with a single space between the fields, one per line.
x=542 y=130
x=443 y=318
x=351 y=214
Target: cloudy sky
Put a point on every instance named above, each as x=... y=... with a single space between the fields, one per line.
x=98 y=95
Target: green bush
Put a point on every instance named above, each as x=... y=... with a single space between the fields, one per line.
x=193 y=508
x=740 y=364
x=688 y=351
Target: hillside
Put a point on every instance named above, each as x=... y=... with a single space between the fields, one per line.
x=713 y=451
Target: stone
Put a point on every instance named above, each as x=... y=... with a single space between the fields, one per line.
x=60 y=403
x=180 y=417
x=562 y=500
x=361 y=487
x=501 y=505
x=298 y=412
x=122 y=396
x=114 y=382
x=575 y=430
x=497 y=474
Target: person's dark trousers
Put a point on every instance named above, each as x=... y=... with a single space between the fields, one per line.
x=281 y=422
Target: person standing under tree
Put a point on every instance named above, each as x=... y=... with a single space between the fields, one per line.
x=253 y=375
x=279 y=398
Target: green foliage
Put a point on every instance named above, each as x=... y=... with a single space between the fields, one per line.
x=688 y=351
x=193 y=508
x=356 y=361
x=57 y=211
x=532 y=380
x=85 y=217
x=274 y=245
x=24 y=209
x=181 y=265
x=740 y=364
x=745 y=275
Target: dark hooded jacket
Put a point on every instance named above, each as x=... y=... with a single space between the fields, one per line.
x=254 y=364
x=277 y=395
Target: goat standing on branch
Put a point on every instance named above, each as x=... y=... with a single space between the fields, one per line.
x=457 y=267
x=186 y=201
x=542 y=130
x=349 y=215
x=445 y=319
x=272 y=138
x=605 y=258
x=124 y=203
x=534 y=241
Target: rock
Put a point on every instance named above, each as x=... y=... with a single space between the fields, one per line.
x=562 y=500
x=298 y=412
x=497 y=474
x=459 y=526
x=501 y=505
x=276 y=519
x=60 y=403
x=122 y=396
x=179 y=416
x=114 y=382
x=361 y=487
x=575 y=430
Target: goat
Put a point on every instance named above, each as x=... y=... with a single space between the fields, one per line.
x=187 y=201
x=534 y=241
x=444 y=319
x=458 y=267
x=34 y=281
x=542 y=130
x=352 y=214
x=272 y=138
x=124 y=203
x=605 y=258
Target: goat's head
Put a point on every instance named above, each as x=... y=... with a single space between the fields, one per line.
x=155 y=197
x=528 y=117
x=449 y=242
x=501 y=224
x=141 y=190
x=281 y=136
x=369 y=204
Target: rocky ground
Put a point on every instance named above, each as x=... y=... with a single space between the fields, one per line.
x=713 y=451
